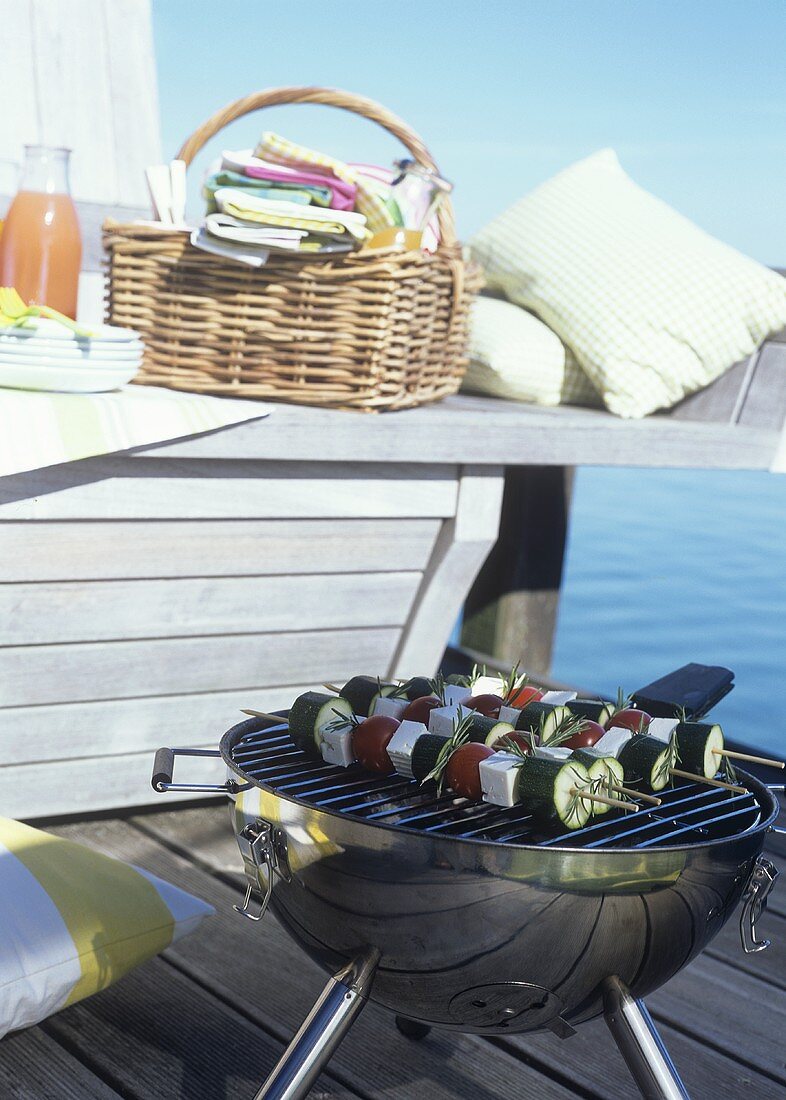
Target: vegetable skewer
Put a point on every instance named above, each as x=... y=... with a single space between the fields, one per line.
x=604 y=800
x=709 y=782
x=752 y=759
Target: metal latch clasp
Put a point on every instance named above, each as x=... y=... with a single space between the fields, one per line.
x=263 y=848
x=754 y=902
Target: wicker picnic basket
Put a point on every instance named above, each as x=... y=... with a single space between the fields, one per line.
x=371 y=330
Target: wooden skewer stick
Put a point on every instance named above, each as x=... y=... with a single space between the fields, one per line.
x=753 y=759
x=637 y=794
x=606 y=801
x=263 y=714
x=709 y=782
x=332 y=687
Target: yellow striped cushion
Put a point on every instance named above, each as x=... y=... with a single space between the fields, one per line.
x=514 y=355
x=73 y=921
x=653 y=307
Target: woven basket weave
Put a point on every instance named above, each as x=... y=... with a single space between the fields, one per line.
x=369 y=330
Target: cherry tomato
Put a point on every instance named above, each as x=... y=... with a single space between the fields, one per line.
x=419 y=709
x=630 y=719
x=462 y=773
x=370 y=742
x=502 y=743
x=588 y=735
x=523 y=696
x=485 y=704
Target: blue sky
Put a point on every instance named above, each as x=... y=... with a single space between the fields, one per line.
x=691 y=94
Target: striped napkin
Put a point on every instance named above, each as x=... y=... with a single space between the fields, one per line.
x=44 y=429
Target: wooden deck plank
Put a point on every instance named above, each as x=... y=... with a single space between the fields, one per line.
x=279 y=984
x=592 y=1062
x=157 y=1035
x=33 y=1066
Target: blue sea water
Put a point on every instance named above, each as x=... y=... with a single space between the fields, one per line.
x=665 y=567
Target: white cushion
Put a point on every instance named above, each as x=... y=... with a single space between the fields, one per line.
x=73 y=921
x=514 y=355
x=653 y=307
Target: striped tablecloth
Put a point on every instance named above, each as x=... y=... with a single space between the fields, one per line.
x=43 y=429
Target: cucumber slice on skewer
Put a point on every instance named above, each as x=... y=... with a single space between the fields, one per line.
x=604 y=771
x=360 y=692
x=424 y=756
x=417 y=687
x=536 y=713
x=310 y=713
x=647 y=761
x=699 y=745
x=548 y=788
x=593 y=709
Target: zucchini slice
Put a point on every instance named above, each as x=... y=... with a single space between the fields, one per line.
x=595 y=710
x=646 y=760
x=310 y=713
x=424 y=754
x=606 y=769
x=360 y=691
x=696 y=743
x=533 y=713
x=417 y=687
x=547 y=788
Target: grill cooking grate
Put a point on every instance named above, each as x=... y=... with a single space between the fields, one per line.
x=690 y=812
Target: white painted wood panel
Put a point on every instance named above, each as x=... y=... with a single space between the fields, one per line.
x=111 y=727
x=78 y=611
x=17 y=90
x=119 y=487
x=87 y=550
x=461 y=549
x=115 y=670
x=30 y=791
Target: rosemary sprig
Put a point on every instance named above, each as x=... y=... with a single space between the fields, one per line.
x=475 y=675
x=729 y=772
x=459 y=737
x=623 y=701
x=515 y=748
x=398 y=692
x=513 y=682
x=438 y=687
x=669 y=761
x=565 y=729
x=340 y=722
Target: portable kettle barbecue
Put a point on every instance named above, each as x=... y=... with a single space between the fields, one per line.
x=462 y=916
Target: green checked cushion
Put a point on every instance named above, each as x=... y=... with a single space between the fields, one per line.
x=653 y=307
x=514 y=355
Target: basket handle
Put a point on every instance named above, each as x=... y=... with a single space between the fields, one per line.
x=328 y=97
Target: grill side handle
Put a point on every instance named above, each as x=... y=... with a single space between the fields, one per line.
x=754 y=902
x=164 y=767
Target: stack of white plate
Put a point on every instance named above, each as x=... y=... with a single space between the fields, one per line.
x=48 y=356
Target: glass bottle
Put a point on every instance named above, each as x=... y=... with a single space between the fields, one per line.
x=40 y=245
x=417 y=192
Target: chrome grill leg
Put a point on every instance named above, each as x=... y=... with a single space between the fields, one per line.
x=640 y=1045
x=321 y=1032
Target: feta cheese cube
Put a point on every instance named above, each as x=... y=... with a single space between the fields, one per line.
x=336 y=746
x=559 y=698
x=613 y=741
x=662 y=728
x=489 y=685
x=455 y=694
x=509 y=714
x=390 y=707
x=402 y=743
x=441 y=719
x=547 y=752
x=499 y=777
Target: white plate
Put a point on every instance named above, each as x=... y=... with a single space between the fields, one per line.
x=65 y=380
x=53 y=330
x=40 y=353
x=92 y=362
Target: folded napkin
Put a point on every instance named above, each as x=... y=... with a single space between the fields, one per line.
x=252 y=255
x=246 y=207
x=278 y=150
x=264 y=189
x=233 y=229
x=342 y=193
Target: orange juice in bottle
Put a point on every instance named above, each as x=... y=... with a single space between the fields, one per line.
x=41 y=246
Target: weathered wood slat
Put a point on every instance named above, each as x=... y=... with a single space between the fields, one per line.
x=118 y=487
x=33 y=614
x=484 y=430
x=158 y=1036
x=280 y=984
x=86 y=550
x=35 y=1067
x=95 y=670
x=110 y=728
